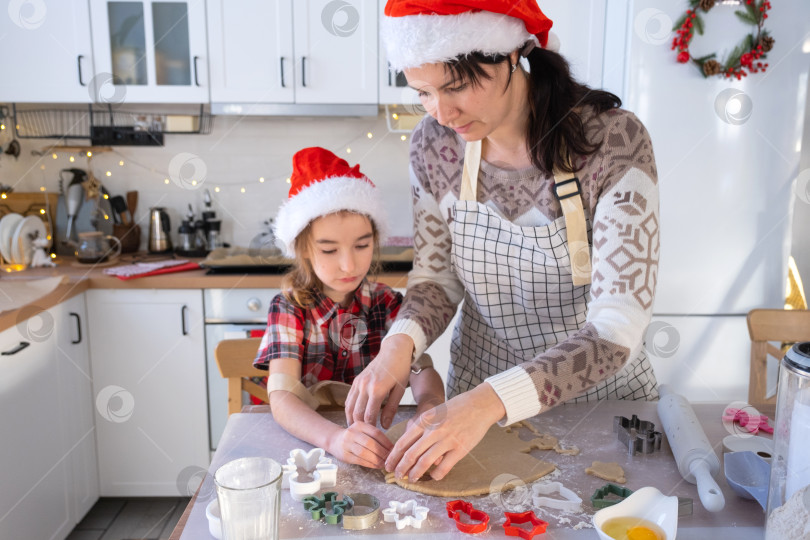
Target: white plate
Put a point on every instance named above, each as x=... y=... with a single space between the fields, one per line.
x=22 y=243
x=8 y=225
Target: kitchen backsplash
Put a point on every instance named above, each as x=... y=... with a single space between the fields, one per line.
x=229 y=163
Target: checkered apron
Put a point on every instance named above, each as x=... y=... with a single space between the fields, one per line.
x=520 y=299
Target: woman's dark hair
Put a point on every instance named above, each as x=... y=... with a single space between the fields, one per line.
x=554 y=97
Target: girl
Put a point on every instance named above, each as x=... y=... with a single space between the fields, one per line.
x=329 y=321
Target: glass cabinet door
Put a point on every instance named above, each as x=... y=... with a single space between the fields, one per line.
x=155 y=50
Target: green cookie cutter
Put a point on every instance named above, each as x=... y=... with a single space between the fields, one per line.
x=327 y=507
x=599 y=498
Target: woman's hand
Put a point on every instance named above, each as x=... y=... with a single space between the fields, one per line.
x=386 y=376
x=445 y=434
x=361 y=444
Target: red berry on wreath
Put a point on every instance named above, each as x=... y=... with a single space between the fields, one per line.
x=683 y=57
x=746 y=59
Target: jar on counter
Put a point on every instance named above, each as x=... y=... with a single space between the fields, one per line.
x=789 y=488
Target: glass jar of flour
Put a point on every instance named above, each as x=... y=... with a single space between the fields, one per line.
x=789 y=490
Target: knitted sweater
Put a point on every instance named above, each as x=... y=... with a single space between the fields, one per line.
x=620 y=197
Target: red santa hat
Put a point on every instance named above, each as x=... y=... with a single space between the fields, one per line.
x=322 y=184
x=417 y=32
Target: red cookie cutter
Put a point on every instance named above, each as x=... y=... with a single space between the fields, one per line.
x=453 y=509
x=524 y=517
x=751 y=422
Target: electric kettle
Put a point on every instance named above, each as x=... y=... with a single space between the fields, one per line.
x=159 y=228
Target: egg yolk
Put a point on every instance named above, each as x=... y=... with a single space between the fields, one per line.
x=641 y=533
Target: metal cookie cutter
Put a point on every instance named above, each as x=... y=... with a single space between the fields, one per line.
x=539 y=526
x=405 y=513
x=637 y=435
x=327 y=507
x=600 y=499
x=307 y=473
x=570 y=502
x=356 y=521
x=453 y=509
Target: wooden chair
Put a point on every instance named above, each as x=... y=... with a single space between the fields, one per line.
x=235 y=361
x=765 y=326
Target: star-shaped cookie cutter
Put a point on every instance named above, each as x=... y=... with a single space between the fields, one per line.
x=600 y=499
x=455 y=507
x=405 y=514
x=570 y=502
x=539 y=526
x=319 y=470
x=637 y=435
x=327 y=507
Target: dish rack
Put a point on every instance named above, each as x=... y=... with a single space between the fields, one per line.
x=108 y=126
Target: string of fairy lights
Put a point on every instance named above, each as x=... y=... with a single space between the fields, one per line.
x=75 y=153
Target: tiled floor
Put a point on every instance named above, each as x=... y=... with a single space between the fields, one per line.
x=140 y=518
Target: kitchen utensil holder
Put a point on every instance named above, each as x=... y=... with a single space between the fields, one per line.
x=129 y=235
x=100 y=124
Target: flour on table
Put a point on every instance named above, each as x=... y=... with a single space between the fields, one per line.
x=792 y=519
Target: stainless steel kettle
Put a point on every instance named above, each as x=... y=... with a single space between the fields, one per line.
x=159 y=229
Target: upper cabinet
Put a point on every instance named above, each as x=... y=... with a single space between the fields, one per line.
x=47 y=55
x=292 y=51
x=393 y=85
x=149 y=52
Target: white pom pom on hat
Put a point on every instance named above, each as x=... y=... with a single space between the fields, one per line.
x=417 y=32
x=322 y=184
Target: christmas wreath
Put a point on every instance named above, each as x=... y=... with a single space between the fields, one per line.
x=746 y=56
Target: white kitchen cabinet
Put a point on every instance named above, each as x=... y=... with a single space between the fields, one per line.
x=393 y=87
x=34 y=475
x=75 y=393
x=149 y=52
x=46 y=52
x=148 y=361
x=306 y=52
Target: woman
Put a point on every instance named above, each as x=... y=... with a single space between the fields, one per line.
x=536 y=202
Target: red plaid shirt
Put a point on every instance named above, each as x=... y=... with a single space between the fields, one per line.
x=332 y=342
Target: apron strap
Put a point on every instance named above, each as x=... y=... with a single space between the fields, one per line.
x=567 y=190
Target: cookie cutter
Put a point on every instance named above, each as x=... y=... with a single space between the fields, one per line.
x=356 y=522
x=539 y=526
x=599 y=499
x=637 y=435
x=319 y=470
x=405 y=514
x=327 y=507
x=750 y=422
x=455 y=507
x=570 y=502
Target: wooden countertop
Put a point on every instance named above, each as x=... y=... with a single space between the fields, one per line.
x=84 y=277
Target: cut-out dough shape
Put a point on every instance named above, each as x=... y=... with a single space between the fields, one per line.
x=499 y=452
x=405 y=513
x=611 y=472
x=570 y=502
x=543 y=441
x=307 y=473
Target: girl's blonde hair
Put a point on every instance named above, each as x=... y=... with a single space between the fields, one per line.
x=300 y=283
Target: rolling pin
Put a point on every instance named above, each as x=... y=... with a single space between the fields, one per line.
x=695 y=457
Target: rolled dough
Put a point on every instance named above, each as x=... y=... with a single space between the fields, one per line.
x=500 y=452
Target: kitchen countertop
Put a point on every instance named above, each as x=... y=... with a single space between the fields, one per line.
x=84 y=277
x=589 y=426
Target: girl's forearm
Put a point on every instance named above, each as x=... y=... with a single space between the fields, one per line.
x=301 y=421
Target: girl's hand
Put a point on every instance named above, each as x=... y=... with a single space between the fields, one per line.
x=445 y=434
x=361 y=444
x=386 y=376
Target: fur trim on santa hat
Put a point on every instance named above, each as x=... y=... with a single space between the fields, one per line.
x=328 y=197
x=414 y=40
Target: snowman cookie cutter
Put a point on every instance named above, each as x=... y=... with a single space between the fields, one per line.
x=306 y=473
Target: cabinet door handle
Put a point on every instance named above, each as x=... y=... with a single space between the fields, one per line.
x=79 y=63
x=78 y=328
x=183 y=320
x=15 y=350
x=196 y=79
x=282 y=73
x=304 y=71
